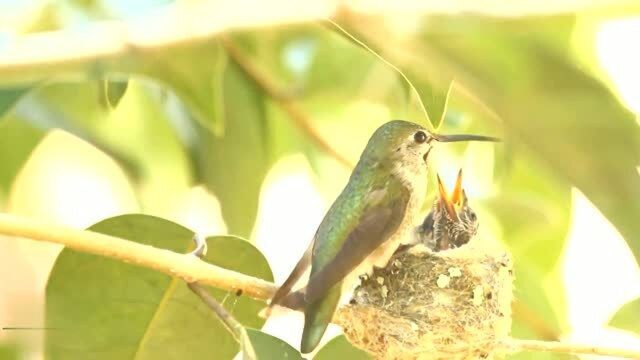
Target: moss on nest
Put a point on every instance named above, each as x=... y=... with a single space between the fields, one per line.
x=454 y=304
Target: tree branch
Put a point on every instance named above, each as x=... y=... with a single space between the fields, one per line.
x=191 y=269
x=567 y=347
x=187 y=267
x=296 y=114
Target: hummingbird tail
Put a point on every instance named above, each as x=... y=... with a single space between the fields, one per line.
x=317 y=317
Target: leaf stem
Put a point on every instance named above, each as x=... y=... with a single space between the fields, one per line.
x=235 y=328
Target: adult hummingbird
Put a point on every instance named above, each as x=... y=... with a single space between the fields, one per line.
x=451 y=222
x=375 y=212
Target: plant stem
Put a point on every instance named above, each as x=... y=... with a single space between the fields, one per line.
x=235 y=328
x=571 y=348
x=296 y=114
x=187 y=267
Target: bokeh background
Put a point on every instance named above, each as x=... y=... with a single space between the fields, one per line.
x=246 y=118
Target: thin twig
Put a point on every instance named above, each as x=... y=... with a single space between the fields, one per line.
x=567 y=347
x=235 y=328
x=297 y=115
x=525 y=314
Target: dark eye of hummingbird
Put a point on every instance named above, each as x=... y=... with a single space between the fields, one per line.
x=420 y=137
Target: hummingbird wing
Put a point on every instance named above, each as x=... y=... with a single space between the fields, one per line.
x=375 y=226
x=340 y=247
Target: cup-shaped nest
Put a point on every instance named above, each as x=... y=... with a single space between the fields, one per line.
x=454 y=304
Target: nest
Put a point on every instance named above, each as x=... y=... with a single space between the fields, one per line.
x=454 y=304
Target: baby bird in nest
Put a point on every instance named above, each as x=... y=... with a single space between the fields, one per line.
x=451 y=223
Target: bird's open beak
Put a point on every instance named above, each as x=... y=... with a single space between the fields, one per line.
x=456 y=196
x=445 y=202
x=463 y=137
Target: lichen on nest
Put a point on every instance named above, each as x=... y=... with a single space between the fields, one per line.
x=454 y=304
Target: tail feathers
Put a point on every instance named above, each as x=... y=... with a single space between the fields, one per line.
x=299 y=270
x=317 y=317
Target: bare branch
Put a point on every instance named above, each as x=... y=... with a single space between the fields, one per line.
x=296 y=114
x=570 y=348
x=185 y=266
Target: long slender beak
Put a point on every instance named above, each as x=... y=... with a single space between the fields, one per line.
x=456 y=196
x=463 y=137
x=444 y=200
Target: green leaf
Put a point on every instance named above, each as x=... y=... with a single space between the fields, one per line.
x=268 y=347
x=114 y=91
x=195 y=74
x=10 y=96
x=628 y=317
x=340 y=348
x=106 y=309
x=433 y=99
x=234 y=165
x=534 y=211
x=11 y=351
x=17 y=140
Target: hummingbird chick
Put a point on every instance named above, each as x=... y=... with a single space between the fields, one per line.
x=451 y=223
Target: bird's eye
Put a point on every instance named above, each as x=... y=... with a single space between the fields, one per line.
x=473 y=216
x=420 y=137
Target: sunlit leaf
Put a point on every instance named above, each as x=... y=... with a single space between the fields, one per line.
x=114 y=91
x=556 y=110
x=195 y=73
x=534 y=211
x=520 y=72
x=340 y=348
x=234 y=165
x=11 y=351
x=9 y=97
x=107 y=309
x=17 y=140
x=432 y=98
x=628 y=317
x=268 y=347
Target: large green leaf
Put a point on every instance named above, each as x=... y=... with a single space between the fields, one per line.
x=268 y=347
x=520 y=70
x=11 y=351
x=195 y=74
x=340 y=348
x=534 y=211
x=234 y=165
x=628 y=317
x=105 y=309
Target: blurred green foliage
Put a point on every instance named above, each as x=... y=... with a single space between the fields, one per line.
x=195 y=113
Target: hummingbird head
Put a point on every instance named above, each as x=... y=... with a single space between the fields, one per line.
x=404 y=147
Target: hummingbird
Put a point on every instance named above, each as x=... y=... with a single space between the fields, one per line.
x=451 y=222
x=375 y=212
